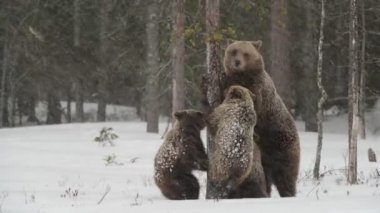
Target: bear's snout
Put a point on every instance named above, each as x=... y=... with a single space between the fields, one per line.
x=237 y=62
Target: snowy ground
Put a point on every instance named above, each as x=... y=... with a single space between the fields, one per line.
x=59 y=168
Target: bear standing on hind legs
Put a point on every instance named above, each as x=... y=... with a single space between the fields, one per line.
x=277 y=134
x=180 y=154
x=235 y=165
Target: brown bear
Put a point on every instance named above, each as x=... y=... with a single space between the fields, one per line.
x=180 y=154
x=234 y=170
x=254 y=186
x=276 y=130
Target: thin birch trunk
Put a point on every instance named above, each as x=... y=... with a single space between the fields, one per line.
x=353 y=92
x=323 y=93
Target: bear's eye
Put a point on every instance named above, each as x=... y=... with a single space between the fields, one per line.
x=246 y=55
x=233 y=52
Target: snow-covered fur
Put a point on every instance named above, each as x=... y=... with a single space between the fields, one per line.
x=254 y=186
x=277 y=134
x=231 y=126
x=181 y=153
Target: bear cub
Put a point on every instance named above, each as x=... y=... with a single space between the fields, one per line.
x=181 y=152
x=232 y=164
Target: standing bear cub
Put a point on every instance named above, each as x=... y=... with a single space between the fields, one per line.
x=180 y=154
x=234 y=170
x=277 y=134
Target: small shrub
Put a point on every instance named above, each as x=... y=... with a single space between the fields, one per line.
x=106 y=136
x=371 y=155
x=70 y=193
x=111 y=160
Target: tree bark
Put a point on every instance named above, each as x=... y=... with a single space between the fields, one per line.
x=76 y=26
x=178 y=55
x=308 y=85
x=151 y=97
x=341 y=86
x=78 y=88
x=12 y=104
x=214 y=73
x=54 y=112
x=280 y=49
x=363 y=75
x=32 y=110
x=79 y=101
x=102 y=103
x=68 y=105
x=353 y=92
x=3 y=100
x=322 y=91
x=103 y=69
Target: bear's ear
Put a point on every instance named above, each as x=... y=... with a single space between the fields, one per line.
x=257 y=44
x=179 y=114
x=234 y=92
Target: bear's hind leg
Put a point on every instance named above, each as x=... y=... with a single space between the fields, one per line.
x=190 y=186
x=285 y=183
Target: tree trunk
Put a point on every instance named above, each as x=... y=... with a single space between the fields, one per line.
x=353 y=92
x=20 y=113
x=79 y=89
x=5 y=112
x=322 y=91
x=341 y=79
x=103 y=70
x=12 y=104
x=3 y=100
x=213 y=75
x=308 y=86
x=179 y=85
x=363 y=75
x=32 y=111
x=151 y=96
x=54 y=112
x=76 y=26
x=79 y=101
x=280 y=48
x=68 y=106
x=102 y=106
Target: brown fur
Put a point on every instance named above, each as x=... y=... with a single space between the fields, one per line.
x=233 y=163
x=278 y=137
x=254 y=186
x=180 y=154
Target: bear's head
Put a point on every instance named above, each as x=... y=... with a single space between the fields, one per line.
x=243 y=56
x=238 y=93
x=190 y=117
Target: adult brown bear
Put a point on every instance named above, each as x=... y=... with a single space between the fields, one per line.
x=277 y=134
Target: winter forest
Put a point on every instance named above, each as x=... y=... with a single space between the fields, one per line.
x=89 y=91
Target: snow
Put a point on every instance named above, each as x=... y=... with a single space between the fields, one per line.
x=60 y=169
